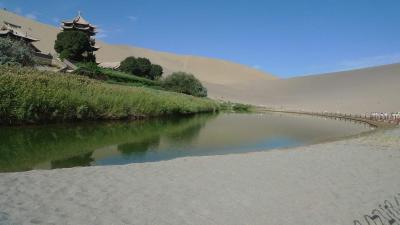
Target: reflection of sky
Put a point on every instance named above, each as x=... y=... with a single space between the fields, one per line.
x=74 y=145
x=239 y=133
x=155 y=154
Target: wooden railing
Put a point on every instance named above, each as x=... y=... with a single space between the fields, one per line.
x=380 y=119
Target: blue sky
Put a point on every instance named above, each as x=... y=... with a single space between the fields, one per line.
x=285 y=37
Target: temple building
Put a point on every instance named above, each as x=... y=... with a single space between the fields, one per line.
x=79 y=23
x=15 y=32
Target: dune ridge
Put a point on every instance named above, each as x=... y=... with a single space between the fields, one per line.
x=206 y=69
x=374 y=89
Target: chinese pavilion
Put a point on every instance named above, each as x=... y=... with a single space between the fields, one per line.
x=79 y=23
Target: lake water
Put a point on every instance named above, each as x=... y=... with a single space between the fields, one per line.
x=116 y=143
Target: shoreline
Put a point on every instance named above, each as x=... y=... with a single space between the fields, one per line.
x=349 y=177
x=353 y=117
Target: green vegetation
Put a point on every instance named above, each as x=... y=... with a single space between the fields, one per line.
x=71 y=145
x=141 y=67
x=236 y=107
x=123 y=78
x=186 y=83
x=156 y=72
x=31 y=96
x=14 y=52
x=73 y=44
x=91 y=70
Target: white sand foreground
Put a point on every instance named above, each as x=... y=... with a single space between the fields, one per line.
x=330 y=183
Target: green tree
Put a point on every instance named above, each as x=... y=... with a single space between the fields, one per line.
x=128 y=65
x=13 y=52
x=136 y=66
x=156 y=72
x=143 y=67
x=184 y=83
x=73 y=44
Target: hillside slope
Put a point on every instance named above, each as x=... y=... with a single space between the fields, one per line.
x=212 y=71
x=364 y=90
x=357 y=91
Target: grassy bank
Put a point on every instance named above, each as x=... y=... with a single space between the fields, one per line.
x=236 y=107
x=123 y=78
x=31 y=96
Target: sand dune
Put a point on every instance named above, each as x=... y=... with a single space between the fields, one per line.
x=209 y=70
x=357 y=91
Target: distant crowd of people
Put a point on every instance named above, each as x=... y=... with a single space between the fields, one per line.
x=395 y=117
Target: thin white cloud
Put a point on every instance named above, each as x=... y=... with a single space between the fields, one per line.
x=133 y=18
x=370 y=61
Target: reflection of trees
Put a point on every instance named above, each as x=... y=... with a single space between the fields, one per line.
x=189 y=132
x=139 y=148
x=22 y=148
x=178 y=129
x=81 y=160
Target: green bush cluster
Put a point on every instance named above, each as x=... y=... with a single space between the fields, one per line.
x=72 y=45
x=31 y=96
x=13 y=52
x=236 y=107
x=121 y=77
x=91 y=70
x=141 y=67
x=186 y=83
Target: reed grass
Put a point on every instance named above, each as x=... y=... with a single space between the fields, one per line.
x=31 y=96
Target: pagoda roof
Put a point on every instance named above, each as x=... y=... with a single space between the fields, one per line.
x=78 y=20
x=14 y=31
x=80 y=28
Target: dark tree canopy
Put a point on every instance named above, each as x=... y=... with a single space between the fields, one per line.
x=128 y=65
x=13 y=52
x=73 y=44
x=184 y=83
x=141 y=67
x=156 y=71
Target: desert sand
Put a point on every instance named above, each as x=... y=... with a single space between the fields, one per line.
x=214 y=70
x=359 y=91
x=367 y=90
x=329 y=184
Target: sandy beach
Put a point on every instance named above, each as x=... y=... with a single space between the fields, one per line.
x=352 y=181
x=331 y=183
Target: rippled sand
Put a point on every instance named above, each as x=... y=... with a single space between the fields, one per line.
x=332 y=183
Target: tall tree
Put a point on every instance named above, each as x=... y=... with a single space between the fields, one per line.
x=74 y=45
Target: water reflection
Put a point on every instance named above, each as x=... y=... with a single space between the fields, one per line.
x=62 y=146
x=70 y=145
x=80 y=160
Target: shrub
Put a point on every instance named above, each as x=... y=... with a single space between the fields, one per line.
x=184 y=83
x=156 y=72
x=14 y=52
x=31 y=96
x=128 y=65
x=136 y=66
x=122 y=77
x=90 y=69
x=72 y=44
x=141 y=67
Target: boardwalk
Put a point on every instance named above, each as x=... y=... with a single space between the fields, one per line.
x=381 y=119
